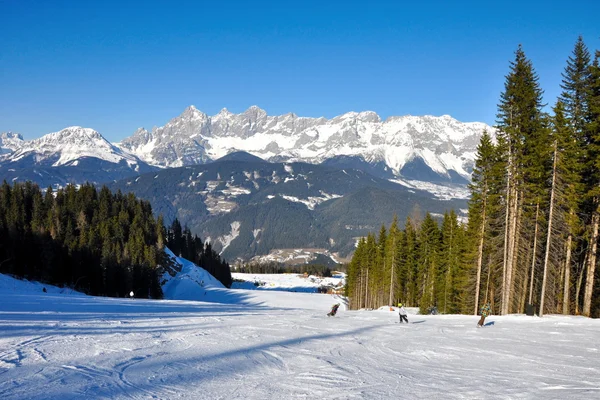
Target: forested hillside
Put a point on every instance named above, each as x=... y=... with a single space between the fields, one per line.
x=98 y=242
x=534 y=213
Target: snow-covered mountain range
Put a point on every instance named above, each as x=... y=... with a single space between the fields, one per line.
x=441 y=148
x=412 y=148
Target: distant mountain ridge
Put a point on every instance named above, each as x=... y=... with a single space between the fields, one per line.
x=72 y=155
x=440 y=149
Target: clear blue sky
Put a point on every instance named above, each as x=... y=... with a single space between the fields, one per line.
x=117 y=65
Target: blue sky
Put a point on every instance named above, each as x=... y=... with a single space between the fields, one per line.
x=117 y=65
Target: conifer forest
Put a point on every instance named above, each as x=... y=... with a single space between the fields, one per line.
x=96 y=242
x=534 y=213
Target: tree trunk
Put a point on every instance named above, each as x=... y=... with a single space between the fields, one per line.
x=480 y=259
x=591 y=266
x=567 y=280
x=507 y=232
x=367 y=290
x=537 y=210
x=549 y=235
x=579 y=283
x=512 y=251
x=392 y=273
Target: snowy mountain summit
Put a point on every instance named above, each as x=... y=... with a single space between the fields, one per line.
x=426 y=147
x=70 y=144
x=9 y=142
x=72 y=155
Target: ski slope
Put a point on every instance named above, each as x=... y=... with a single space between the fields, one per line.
x=264 y=344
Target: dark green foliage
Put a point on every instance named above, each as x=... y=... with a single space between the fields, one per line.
x=99 y=243
x=428 y=263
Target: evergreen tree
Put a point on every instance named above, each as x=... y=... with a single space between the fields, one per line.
x=521 y=126
x=592 y=174
x=429 y=243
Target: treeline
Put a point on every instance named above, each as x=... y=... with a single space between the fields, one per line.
x=183 y=244
x=95 y=242
x=279 y=268
x=534 y=213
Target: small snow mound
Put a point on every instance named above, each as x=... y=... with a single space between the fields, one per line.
x=191 y=283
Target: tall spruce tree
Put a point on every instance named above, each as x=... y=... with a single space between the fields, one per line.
x=592 y=173
x=521 y=126
x=429 y=244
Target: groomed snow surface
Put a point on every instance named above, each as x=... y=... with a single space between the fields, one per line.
x=265 y=344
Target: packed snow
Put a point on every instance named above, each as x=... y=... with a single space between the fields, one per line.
x=263 y=344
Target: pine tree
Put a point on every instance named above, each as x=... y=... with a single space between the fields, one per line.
x=592 y=132
x=481 y=208
x=429 y=243
x=450 y=264
x=521 y=126
x=575 y=83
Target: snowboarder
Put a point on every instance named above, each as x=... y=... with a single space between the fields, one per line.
x=402 y=313
x=333 y=310
x=484 y=312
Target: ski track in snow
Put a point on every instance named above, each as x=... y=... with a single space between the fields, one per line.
x=282 y=345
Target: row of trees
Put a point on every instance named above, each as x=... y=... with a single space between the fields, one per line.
x=420 y=265
x=280 y=268
x=534 y=213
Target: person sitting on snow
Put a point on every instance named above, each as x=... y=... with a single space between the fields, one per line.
x=485 y=311
x=333 y=310
x=402 y=313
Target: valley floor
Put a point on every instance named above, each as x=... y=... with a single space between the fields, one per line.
x=267 y=345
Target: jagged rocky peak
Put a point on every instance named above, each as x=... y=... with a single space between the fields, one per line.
x=255 y=113
x=191 y=113
x=224 y=113
x=363 y=116
x=140 y=131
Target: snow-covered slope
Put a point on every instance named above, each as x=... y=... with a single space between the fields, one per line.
x=445 y=145
x=191 y=283
x=275 y=345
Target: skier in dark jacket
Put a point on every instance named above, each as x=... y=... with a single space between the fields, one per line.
x=333 y=310
x=485 y=311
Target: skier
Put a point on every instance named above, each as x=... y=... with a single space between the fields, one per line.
x=485 y=311
x=402 y=313
x=333 y=310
